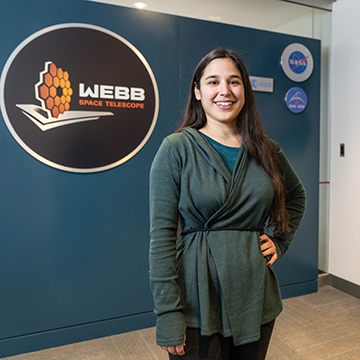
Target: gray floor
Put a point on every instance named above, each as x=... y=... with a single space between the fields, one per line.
x=320 y=326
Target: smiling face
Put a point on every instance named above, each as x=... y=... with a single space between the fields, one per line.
x=221 y=91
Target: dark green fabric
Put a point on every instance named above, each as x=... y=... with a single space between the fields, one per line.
x=227 y=153
x=214 y=280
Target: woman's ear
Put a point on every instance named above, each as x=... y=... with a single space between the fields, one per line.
x=197 y=92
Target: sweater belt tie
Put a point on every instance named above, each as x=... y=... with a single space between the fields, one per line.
x=202 y=228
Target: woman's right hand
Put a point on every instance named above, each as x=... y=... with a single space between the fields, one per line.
x=176 y=349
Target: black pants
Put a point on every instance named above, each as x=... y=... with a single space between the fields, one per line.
x=217 y=347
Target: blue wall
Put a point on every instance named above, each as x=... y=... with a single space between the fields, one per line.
x=74 y=247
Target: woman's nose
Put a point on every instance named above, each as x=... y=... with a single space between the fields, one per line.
x=224 y=89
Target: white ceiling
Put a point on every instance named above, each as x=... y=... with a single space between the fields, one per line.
x=269 y=14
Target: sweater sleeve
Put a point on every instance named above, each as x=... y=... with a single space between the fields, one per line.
x=164 y=197
x=295 y=203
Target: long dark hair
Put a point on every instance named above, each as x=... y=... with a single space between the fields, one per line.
x=250 y=128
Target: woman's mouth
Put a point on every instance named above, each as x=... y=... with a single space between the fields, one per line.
x=224 y=104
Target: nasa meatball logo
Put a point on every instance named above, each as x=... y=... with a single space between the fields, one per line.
x=297 y=62
x=79 y=98
x=296 y=100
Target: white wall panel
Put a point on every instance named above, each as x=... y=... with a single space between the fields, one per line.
x=345 y=171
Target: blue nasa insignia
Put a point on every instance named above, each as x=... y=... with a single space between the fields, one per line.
x=296 y=100
x=298 y=62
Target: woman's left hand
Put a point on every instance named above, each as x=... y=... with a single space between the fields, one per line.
x=268 y=248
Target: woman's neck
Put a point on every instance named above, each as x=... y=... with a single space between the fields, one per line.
x=226 y=135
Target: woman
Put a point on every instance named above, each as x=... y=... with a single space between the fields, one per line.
x=221 y=181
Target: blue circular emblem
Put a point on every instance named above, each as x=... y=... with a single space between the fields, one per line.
x=254 y=83
x=296 y=100
x=298 y=62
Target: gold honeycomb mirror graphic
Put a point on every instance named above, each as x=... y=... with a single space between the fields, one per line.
x=54 y=90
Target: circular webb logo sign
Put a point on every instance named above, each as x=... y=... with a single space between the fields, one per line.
x=296 y=100
x=79 y=98
x=297 y=62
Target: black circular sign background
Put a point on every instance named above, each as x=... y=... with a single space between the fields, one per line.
x=91 y=55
